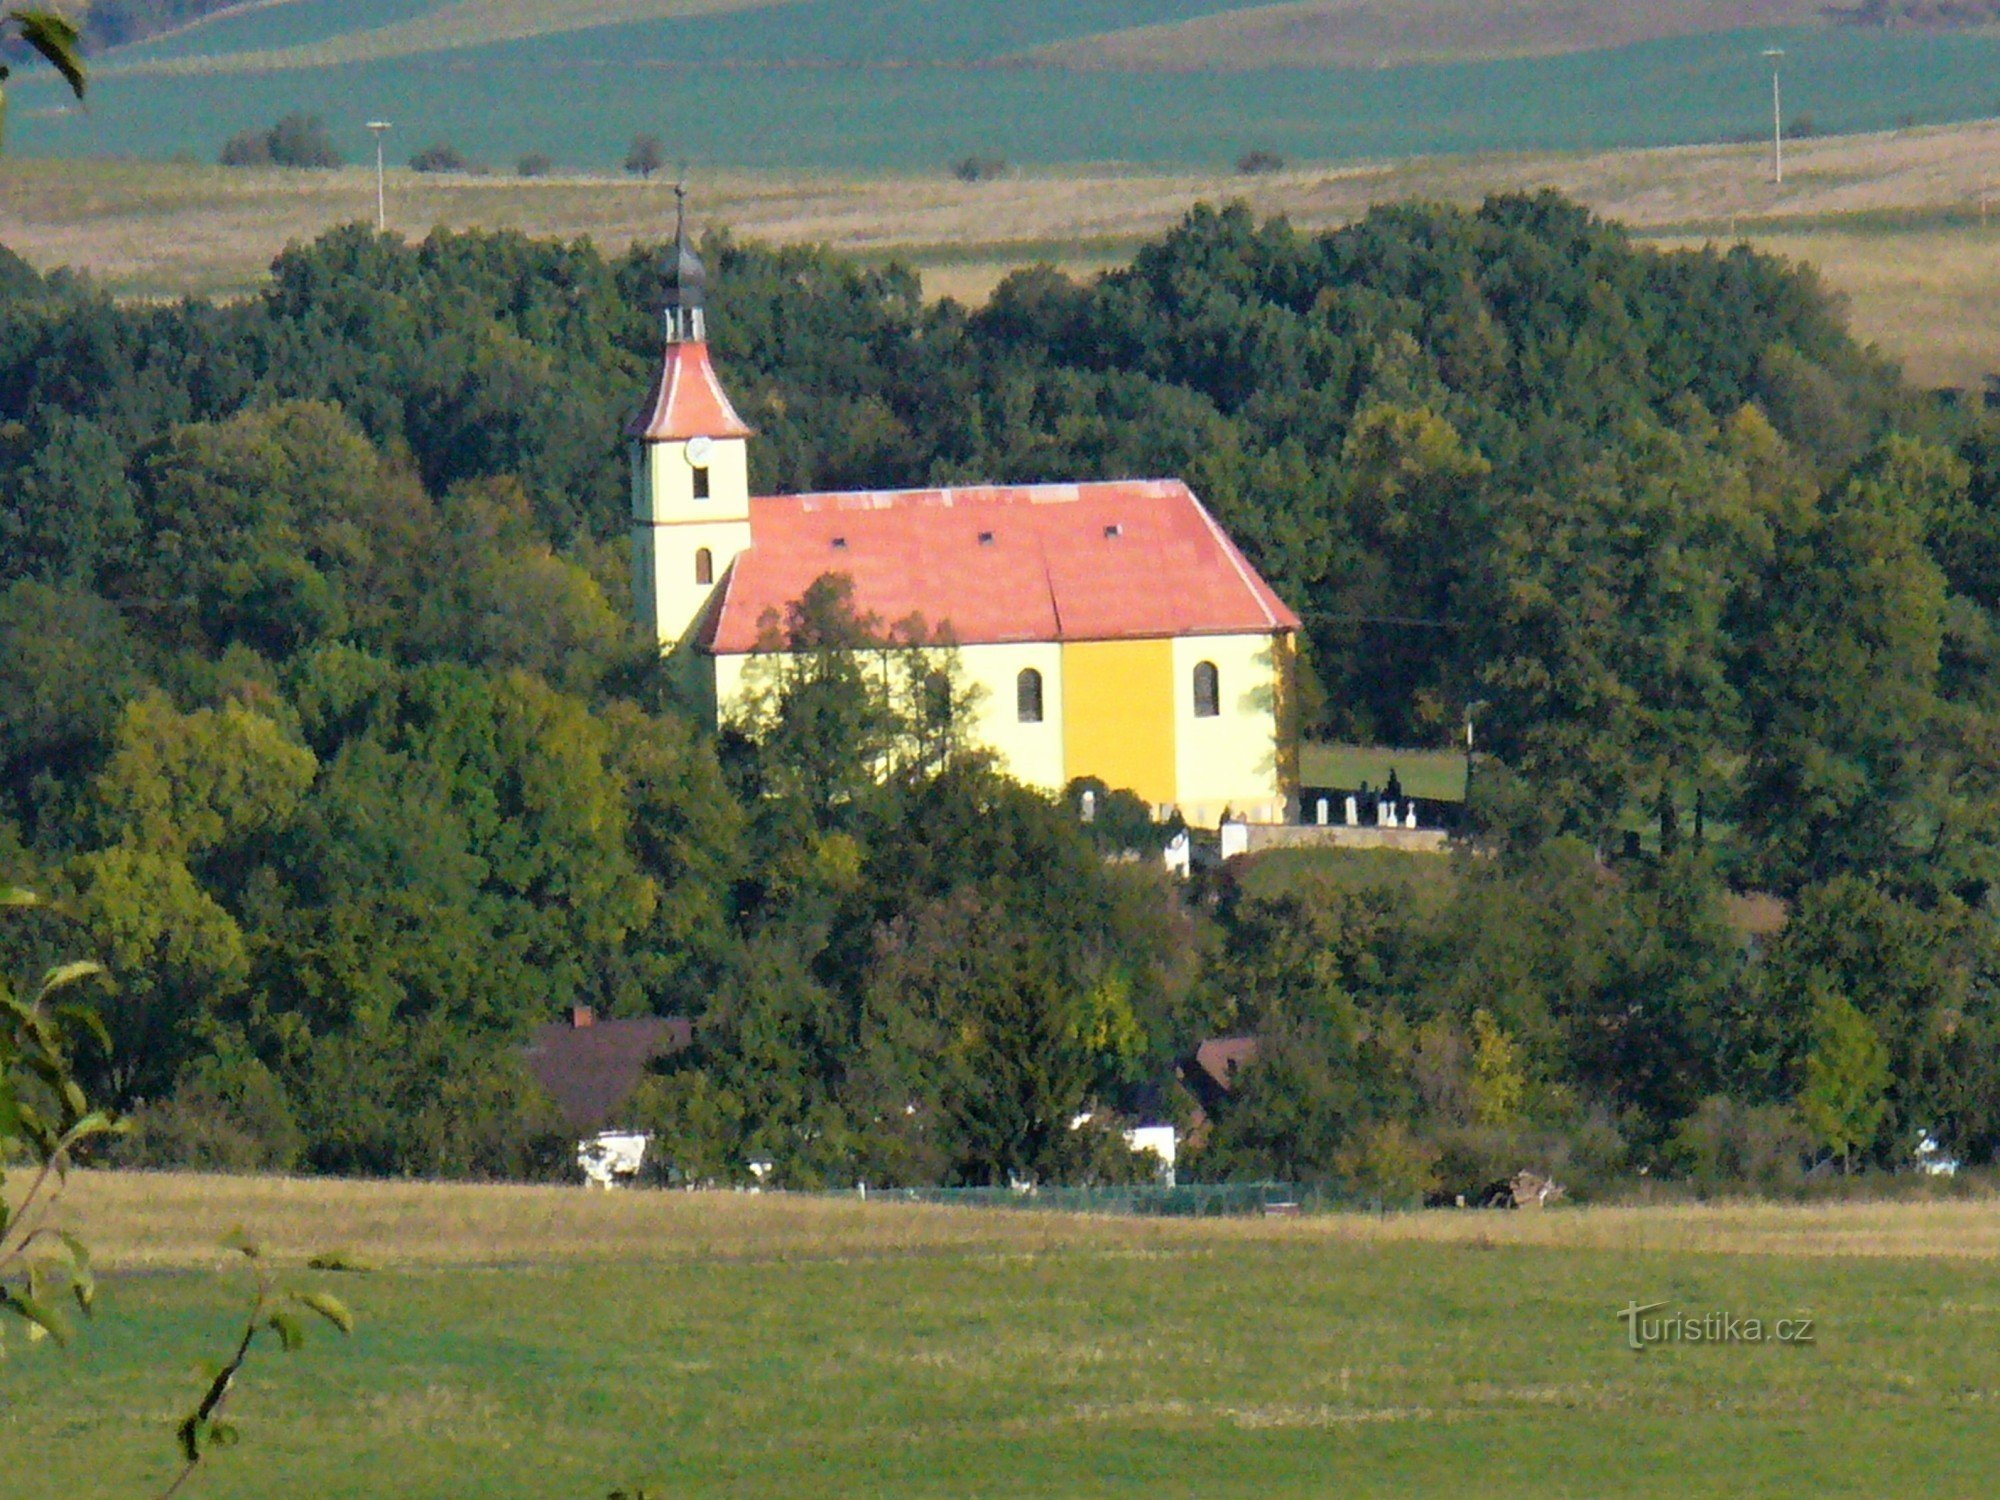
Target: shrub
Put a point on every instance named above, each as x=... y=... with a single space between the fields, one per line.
x=223 y=1116
x=296 y=141
x=979 y=168
x=535 y=164
x=1259 y=163
x=440 y=158
x=247 y=148
x=302 y=141
x=1725 y=1143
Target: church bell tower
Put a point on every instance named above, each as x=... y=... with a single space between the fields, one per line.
x=690 y=466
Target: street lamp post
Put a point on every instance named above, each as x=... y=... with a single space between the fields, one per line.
x=380 y=128
x=1776 y=56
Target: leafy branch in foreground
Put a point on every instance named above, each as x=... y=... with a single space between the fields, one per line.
x=55 y=38
x=44 y=1119
x=272 y=1312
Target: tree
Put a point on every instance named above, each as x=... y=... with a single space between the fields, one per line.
x=54 y=39
x=1847 y=1076
x=647 y=156
x=298 y=140
x=301 y=140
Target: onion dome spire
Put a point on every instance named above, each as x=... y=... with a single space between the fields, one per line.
x=687 y=282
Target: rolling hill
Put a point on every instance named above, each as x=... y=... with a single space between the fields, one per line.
x=900 y=85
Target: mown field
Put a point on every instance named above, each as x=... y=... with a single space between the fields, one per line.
x=540 y=1342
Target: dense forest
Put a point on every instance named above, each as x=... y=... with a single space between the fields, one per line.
x=321 y=714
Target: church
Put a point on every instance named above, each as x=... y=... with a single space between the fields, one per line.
x=1111 y=629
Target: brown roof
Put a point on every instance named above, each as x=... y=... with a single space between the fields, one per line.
x=686 y=401
x=591 y=1069
x=1119 y=560
x=1221 y=1058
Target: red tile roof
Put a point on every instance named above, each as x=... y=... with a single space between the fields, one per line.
x=686 y=401
x=1054 y=562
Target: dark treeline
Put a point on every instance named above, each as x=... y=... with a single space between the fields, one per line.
x=319 y=707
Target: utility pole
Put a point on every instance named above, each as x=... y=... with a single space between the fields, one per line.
x=1776 y=56
x=380 y=128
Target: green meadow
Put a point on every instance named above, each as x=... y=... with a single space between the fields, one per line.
x=1429 y=775
x=545 y=1342
x=909 y=85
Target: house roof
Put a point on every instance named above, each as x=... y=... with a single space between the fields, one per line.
x=1220 y=1056
x=686 y=401
x=1125 y=559
x=590 y=1069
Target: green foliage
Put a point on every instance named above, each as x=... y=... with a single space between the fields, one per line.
x=1847 y=1077
x=298 y=140
x=192 y=784
x=53 y=38
x=375 y=767
x=45 y=1120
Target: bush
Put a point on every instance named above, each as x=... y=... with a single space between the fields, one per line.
x=979 y=168
x=1259 y=163
x=298 y=140
x=223 y=1116
x=535 y=164
x=440 y=158
x=1727 y=1144
x=302 y=141
x=247 y=148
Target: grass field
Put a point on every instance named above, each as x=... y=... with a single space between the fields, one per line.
x=1429 y=775
x=540 y=1342
x=911 y=85
x=1370 y=33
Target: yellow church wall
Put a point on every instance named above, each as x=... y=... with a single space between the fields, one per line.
x=1231 y=761
x=1123 y=711
x=1119 y=715
x=670 y=526
x=670 y=494
x=664 y=570
x=1031 y=753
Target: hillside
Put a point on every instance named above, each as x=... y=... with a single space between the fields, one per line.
x=912 y=85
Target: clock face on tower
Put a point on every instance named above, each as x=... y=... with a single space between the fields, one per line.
x=698 y=450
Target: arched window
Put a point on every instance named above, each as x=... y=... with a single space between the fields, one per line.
x=704 y=566
x=1028 y=696
x=1207 y=690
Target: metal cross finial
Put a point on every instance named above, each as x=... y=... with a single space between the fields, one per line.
x=681 y=207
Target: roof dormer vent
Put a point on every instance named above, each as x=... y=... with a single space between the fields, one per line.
x=1114 y=531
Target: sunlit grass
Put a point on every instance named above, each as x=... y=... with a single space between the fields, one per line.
x=541 y=1342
